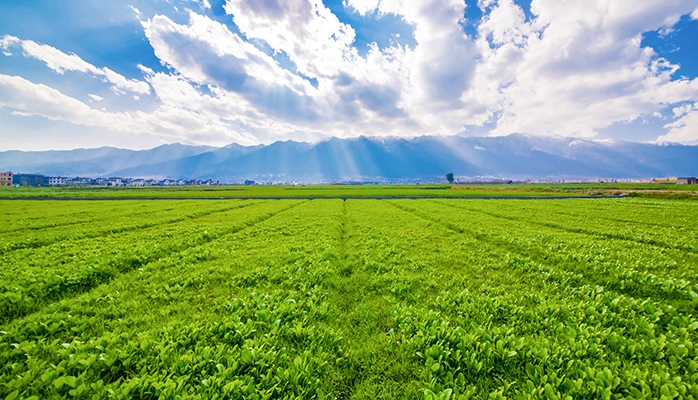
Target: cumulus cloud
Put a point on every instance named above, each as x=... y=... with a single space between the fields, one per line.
x=576 y=67
x=393 y=91
x=206 y=52
x=356 y=98
x=685 y=129
x=306 y=30
x=60 y=62
x=571 y=70
x=568 y=68
x=440 y=65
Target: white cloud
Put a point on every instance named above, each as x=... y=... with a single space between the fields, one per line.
x=135 y=10
x=269 y=97
x=576 y=67
x=440 y=65
x=56 y=59
x=572 y=69
x=29 y=98
x=22 y=114
x=685 y=129
x=185 y=123
x=197 y=117
x=304 y=29
x=394 y=91
x=60 y=62
x=95 y=97
x=439 y=69
x=6 y=42
x=206 y=53
x=683 y=110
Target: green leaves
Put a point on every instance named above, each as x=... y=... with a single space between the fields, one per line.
x=62 y=381
x=490 y=302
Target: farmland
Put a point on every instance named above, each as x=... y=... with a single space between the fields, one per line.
x=357 y=298
x=243 y=192
x=356 y=191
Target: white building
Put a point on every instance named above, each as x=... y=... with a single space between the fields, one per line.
x=56 y=180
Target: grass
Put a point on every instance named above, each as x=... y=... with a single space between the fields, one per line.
x=349 y=191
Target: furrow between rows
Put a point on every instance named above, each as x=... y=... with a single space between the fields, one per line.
x=37 y=244
x=13 y=306
x=581 y=231
x=575 y=273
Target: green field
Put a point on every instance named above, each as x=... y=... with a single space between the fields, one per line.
x=655 y=190
x=236 y=192
x=355 y=299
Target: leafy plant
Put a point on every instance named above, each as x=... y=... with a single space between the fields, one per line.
x=332 y=299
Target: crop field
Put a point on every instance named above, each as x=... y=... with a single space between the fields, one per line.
x=356 y=191
x=349 y=299
x=273 y=192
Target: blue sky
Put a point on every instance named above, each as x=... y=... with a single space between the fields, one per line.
x=137 y=74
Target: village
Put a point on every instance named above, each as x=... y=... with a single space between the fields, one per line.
x=17 y=180
x=8 y=179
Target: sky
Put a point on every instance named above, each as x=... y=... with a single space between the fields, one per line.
x=138 y=74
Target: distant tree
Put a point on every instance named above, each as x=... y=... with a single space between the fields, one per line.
x=449 y=177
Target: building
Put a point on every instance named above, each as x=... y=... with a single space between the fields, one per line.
x=5 y=179
x=56 y=180
x=687 y=181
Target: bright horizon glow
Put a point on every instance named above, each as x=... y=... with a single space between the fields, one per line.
x=85 y=74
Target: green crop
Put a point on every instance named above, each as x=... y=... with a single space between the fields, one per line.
x=273 y=192
x=362 y=299
x=636 y=189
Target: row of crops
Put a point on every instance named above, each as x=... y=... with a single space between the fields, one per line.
x=435 y=299
x=274 y=191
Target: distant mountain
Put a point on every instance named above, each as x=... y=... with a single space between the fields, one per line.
x=93 y=162
x=370 y=158
x=189 y=166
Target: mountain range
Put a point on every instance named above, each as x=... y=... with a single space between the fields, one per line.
x=425 y=158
